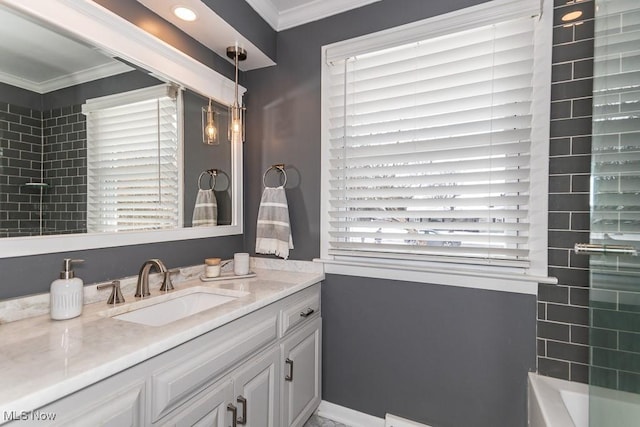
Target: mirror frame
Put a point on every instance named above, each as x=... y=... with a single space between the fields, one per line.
x=92 y=23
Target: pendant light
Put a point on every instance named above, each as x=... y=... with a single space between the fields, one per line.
x=236 y=112
x=209 y=128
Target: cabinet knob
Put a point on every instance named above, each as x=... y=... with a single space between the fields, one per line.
x=289 y=377
x=243 y=419
x=234 y=414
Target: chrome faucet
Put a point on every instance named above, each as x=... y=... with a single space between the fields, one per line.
x=142 y=288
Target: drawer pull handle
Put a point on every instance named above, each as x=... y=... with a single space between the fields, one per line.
x=289 y=377
x=307 y=313
x=234 y=414
x=243 y=419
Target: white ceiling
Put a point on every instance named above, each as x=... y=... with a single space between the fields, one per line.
x=284 y=14
x=40 y=60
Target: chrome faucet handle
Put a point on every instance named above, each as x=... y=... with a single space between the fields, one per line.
x=116 y=293
x=167 y=284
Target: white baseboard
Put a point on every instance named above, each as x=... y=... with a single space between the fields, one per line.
x=394 y=421
x=348 y=416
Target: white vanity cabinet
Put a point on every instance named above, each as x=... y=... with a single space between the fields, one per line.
x=300 y=332
x=238 y=368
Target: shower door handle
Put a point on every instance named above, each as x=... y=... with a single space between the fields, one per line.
x=593 y=249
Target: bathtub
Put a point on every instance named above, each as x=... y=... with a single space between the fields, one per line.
x=558 y=403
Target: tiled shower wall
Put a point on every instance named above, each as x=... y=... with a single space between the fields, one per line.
x=60 y=207
x=20 y=163
x=563 y=314
x=65 y=170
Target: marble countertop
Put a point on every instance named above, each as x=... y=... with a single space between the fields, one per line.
x=42 y=360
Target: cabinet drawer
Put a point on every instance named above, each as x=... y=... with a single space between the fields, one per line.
x=300 y=311
x=178 y=382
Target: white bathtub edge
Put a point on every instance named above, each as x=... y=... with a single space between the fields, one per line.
x=546 y=407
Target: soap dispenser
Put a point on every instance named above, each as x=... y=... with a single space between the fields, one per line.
x=67 y=293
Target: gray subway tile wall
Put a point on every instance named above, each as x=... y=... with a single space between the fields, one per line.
x=20 y=163
x=48 y=147
x=65 y=169
x=563 y=314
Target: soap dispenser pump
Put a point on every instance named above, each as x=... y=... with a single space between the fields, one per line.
x=67 y=293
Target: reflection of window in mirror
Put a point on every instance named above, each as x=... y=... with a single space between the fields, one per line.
x=133 y=160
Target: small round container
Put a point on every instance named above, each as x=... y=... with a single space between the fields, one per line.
x=241 y=264
x=212 y=267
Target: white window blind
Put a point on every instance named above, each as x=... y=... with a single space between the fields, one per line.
x=133 y=163
x=430 y=147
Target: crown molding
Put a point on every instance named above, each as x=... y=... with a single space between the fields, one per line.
x=84 y=76
x=305 y=13
x=75 y=78
x=316 y=10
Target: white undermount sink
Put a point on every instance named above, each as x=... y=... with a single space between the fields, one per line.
x=174 y=308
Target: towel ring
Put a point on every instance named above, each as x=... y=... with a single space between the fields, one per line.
x=213 y=173
x=278 y=167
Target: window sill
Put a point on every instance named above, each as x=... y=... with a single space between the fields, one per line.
x=475 y=279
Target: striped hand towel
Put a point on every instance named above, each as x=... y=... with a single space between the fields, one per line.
x=273 y=233
x=205 y=211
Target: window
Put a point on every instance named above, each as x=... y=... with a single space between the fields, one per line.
x=133 y=160
x=436 y=142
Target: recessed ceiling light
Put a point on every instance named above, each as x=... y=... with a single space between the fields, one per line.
x=570 y=16
x=184 y=13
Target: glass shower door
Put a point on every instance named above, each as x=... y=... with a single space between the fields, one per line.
x=614 y=391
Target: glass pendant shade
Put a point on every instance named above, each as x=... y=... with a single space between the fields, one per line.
x=209 y=128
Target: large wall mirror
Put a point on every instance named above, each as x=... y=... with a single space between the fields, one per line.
x=101 y=135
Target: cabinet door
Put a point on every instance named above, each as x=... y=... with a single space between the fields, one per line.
x=257 y=391
x=208 y=410
x=301 y=354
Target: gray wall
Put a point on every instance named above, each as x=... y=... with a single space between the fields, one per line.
x=441 y=355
